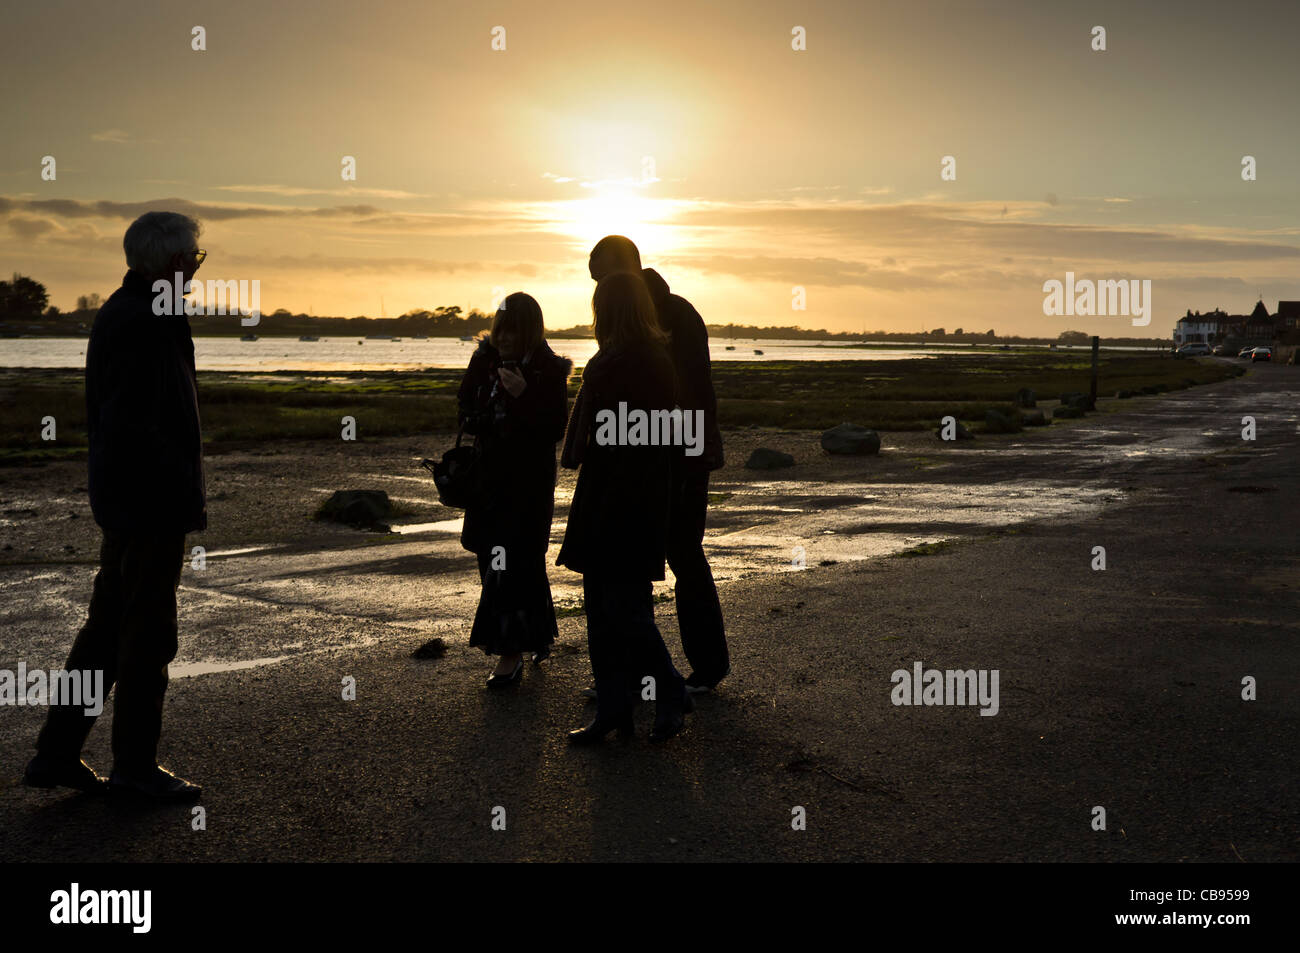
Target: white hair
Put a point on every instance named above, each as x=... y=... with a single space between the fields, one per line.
x=154 y=237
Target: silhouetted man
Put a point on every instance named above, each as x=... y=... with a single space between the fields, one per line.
x=146 y=492
x=699 y=615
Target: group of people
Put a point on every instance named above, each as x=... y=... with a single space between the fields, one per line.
x=634 y=507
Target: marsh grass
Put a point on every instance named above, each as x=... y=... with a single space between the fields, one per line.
x=901 y=395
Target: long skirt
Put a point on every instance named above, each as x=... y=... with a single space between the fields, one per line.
x=515 y=611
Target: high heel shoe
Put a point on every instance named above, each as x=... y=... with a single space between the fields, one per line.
x=504 y=681
x=542 y=655
x=674 y=722
x=595 y=732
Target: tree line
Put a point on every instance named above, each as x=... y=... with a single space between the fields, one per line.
x=25 y=308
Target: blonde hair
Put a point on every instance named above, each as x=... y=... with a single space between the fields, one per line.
x=624 y=313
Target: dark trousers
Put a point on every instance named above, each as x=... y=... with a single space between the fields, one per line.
x=699 y=614
x=625 y=644
x=130 y=635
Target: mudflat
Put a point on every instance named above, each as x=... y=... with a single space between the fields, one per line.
x=1119 y=688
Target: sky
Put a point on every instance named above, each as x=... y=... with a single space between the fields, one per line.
x=744 y=169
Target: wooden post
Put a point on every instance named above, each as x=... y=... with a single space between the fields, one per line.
x=1093 y=392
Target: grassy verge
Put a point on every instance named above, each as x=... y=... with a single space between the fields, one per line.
x=887 y=395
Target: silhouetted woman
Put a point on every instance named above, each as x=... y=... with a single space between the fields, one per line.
x=618 y=522
x=514 y=398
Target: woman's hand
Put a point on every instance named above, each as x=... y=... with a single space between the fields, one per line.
x=512 y=381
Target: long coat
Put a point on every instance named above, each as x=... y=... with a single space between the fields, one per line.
x=517 y=436
x=618 y=521
x=689 y=348
x=142 y=414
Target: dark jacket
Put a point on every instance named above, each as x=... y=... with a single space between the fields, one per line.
x=142 y=414
x=618 y=521
x=690 y=353
x=517 y=437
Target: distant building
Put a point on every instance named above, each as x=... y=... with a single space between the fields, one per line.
x=1288 y=315
x=1197 y=328
x=1216 y=327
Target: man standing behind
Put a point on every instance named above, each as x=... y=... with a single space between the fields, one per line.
x=699 y=615
x=146 y=492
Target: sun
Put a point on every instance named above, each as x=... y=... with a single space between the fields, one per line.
x=613 y=210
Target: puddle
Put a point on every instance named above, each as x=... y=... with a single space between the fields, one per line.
x=441 y=526
x=213 y=554
x=213 y=667
x=192 y=669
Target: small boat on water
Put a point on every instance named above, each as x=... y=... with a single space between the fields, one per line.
x=394 y=339
x=756 y=351
x=248 y=337
x=308 y=337
x=731 y=347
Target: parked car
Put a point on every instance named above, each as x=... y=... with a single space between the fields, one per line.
x=1193 y=350
x=1261 y=354
x=1220 y=351
x=1244 y=353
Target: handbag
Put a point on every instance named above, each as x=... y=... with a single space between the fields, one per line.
x=458 y=475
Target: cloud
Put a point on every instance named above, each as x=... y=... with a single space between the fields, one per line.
x=340 y=264
x=110 y=135
x=369 y=216
x=820 y=271
x=291 y=191
x=979 y=230
x=29 y=228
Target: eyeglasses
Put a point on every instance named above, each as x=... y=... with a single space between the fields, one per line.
x=199 y=255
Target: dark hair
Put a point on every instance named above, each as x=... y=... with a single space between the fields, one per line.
x=624 y=313
x=521 y=314
x=620 y=252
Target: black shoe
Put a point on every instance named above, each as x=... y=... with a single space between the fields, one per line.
x=542 y=656
x=672 y=723
x=46 y=772
x=595 y=732
x=158 y=785
x=504 y=681
x=698 y=685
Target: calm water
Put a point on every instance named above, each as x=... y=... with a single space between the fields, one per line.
x=350 y=353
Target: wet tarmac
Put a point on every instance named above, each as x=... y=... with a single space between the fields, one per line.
x=256 y=604
x=1119 y=688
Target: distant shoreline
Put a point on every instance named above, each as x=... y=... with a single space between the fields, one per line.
x=963 y=345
